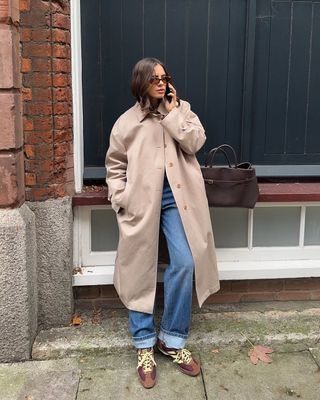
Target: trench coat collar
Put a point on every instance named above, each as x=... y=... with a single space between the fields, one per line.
x=142 y=114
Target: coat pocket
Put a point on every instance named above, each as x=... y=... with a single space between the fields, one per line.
x=118 y=201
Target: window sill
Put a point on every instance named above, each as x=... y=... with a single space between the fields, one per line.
x=269 y=192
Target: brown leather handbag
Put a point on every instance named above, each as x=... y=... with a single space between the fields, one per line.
x=229 y=186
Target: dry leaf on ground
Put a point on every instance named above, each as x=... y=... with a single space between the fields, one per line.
x=215 y=351
x=76 y=320
x=77 y=270
x=258 y=352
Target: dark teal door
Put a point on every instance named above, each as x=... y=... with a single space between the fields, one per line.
x=248 y=67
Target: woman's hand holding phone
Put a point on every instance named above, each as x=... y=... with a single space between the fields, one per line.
x=170 y=97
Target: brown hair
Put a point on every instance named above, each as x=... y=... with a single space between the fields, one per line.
x=140 y=81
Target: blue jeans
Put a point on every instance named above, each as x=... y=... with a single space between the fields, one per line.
x=178 y=281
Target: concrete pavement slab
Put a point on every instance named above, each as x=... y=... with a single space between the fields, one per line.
x=49 y=380
x=315 y=352
x=229 y=375
x=113 y=377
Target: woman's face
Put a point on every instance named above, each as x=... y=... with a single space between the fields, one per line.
x=157 y=91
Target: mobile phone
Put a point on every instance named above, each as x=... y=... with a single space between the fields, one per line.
x=169 y=98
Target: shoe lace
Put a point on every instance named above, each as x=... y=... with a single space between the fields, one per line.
x=183 y=356
x=146 y=360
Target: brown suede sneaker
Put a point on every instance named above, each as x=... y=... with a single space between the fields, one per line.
x=147 y=372
x=183 y=357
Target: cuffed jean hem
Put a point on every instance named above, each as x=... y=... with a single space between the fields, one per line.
x=145 y=341
x=172 y=341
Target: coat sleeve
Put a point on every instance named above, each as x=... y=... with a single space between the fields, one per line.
x=185 y=127
x=116 y=166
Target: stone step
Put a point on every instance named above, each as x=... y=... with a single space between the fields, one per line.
x=213 y=326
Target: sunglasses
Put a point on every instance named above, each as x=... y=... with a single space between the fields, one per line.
x=154 y=80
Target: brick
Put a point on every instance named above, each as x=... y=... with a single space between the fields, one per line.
x=293 y=295
x=39 y=194
x=38 y=166
x=41 y=64
x=62 y=94
x=315 y=295
x=38 y=108
x=42 y=94
x=36 y=49
x=11 y=121
x=62 y=122
x=11 y=179
x=41 y=34
x=29 y=151
x=225 y=286
x=37 y=137
x=108 y=291
x=10 y=76
x=43 y=123
x=24 y=5
x=26 y=94
x=239 y=286
x=69 y=176
x=61 y=150
x=224 y=298
x=44 y=178
x=60 y=80
x=27 y=124
x=30 y=179
x=37 y=79
x=61 y=51
x=25 y=65
x=61 y=65
x=60 y=36
x=25 y=34
x=259 y=296
x=88 y=292
x=64 y=135
x=302 y=284
x=266 y=285
x=61 y=21
x=36 y=18
x=62 y=108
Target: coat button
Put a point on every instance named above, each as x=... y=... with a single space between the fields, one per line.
x=178 y=186
x=185 y=207
x=170 y=164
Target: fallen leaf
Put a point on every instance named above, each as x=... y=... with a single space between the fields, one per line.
x=215 y=351
x=77 y=270
x=258 y=352
x=76 y=320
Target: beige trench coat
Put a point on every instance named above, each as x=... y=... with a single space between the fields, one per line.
x=141 y=149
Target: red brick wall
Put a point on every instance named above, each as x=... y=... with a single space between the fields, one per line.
x=231 y=292
x=47 y=98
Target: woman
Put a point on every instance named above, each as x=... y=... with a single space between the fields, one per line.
x=154 y=181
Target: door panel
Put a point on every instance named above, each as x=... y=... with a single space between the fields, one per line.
x=254 y=88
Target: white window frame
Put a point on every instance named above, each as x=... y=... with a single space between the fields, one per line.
x=77 y=106
x=233 y=263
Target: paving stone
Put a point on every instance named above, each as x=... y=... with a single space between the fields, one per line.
x=229 y=375
x=114 y=377
x=315 y=352
x=40 y=380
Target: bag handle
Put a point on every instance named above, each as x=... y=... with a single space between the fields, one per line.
x=212 y=153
